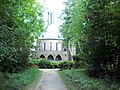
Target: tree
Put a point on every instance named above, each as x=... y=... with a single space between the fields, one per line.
x=73 y=29
x=93 y=25
x=19 y=25
x=104 y=32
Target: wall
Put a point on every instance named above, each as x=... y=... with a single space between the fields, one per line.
x=47 y=42
x=53 y=51
x=63 y=54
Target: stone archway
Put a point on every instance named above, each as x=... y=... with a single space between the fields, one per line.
x=50 y=57
x=58 y=58
x=42 y=56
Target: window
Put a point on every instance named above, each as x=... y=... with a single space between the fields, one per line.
x=39 y=46
x=50 y=18
x=65 y=55
x=65 y=49
x=50 y=46
x=44 y=46
x=50 y=57
x=58 y=58
x=42 y=56
x=56 y=46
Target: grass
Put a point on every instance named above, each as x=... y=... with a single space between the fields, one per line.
x=78 y=80
x=17 y=81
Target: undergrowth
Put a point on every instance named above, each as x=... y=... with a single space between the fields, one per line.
x=78 y=80
x=17 y=81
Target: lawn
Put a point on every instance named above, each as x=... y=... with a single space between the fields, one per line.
x=78 y=80
x=18 y=81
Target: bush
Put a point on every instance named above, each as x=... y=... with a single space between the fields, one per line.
x=66 y=65
x=34 y=61
x=46 y=64
x=78 y=80
x=14 y=62
x=79 y=62
x=43 y=63
x=17 y=81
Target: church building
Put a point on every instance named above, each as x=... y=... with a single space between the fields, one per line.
x=50 y=43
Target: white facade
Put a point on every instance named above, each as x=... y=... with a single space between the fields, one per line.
x=53 y=49
x=49 y=45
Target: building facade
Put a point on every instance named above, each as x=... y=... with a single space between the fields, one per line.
x=49 y=45
x=53 y=49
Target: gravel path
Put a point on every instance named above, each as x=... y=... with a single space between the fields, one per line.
x=50 y=80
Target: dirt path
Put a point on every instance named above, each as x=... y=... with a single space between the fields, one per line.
x=50 y=80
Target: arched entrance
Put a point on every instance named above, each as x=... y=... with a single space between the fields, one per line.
x=58 y=58
x=50 y=57
x=42 y=56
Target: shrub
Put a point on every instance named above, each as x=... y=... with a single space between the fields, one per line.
x=56 y=64
x=66 y=65
x=17 y=81
x=46 y=64
x=14 y=62
x=43 y=63
x=79 y=62
x=78 y=80
x=34 y=61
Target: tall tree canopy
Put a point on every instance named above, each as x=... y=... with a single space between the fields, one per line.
x=104 y=37
x=73 y=28
x=93 y=25
x=20 y=23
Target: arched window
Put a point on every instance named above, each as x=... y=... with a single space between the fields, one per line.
x=42 y=56
x=58 y=58
x=50 y=57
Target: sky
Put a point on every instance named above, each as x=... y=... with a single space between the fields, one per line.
x=56 y=6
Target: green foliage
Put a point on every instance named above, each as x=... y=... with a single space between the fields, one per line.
x=46 y=64
x=79 y=62
x=19 y=26
x=17 y=81
x=103 y=38
x=78 y=80
x=56 y=64
x=66 y=65
x=94 y=27
x=73 y=29
x=34 y=61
